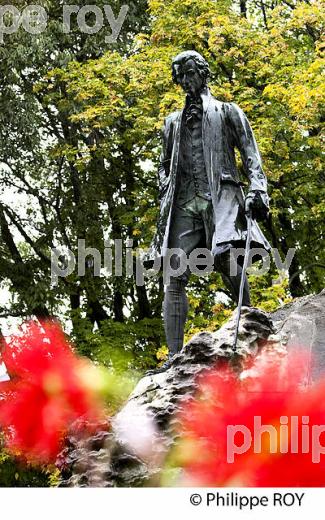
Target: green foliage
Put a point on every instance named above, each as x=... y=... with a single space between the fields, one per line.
x=269 y=296
x=123 y=347
x=15 y=473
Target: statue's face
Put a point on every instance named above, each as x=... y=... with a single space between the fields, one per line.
x=189 y=78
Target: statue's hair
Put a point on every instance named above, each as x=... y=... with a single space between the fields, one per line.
x=183 y=57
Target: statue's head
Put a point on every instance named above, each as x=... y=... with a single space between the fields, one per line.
x=191 y=71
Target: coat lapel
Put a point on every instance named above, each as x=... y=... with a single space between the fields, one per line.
x=206 y=100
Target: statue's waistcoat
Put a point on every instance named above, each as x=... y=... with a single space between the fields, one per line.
x=192 y=177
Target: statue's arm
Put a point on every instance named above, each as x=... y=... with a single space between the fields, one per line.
x=244 y=140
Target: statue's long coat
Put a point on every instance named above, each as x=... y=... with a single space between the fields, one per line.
x=224 y=128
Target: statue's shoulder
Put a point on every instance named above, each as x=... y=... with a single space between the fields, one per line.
x=231 y=108
x=221 y=106
x=172 y=117
x=232 y=113
x=169 y=122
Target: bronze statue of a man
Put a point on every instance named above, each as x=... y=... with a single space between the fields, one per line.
x=202 y=203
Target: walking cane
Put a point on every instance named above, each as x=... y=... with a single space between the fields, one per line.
x=242 y=282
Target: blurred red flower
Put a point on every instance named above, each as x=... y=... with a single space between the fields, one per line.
x=49 y=389
x=271 y=392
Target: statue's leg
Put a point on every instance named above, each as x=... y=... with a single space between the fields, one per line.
x=232 y=282
x=175 y=308
x=185 y=233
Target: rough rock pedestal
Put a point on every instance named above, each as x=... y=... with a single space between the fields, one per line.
x=132 y=453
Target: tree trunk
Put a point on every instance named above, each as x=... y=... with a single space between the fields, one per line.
x=243 y=8
x=296 y=286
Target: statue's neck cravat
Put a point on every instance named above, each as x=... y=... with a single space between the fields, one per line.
x=193 y=111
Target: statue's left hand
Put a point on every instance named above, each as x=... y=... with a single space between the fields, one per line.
x=258 y=203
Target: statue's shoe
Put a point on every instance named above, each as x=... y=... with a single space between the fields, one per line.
x=161 y=369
